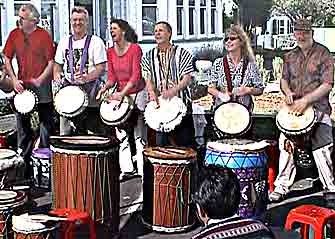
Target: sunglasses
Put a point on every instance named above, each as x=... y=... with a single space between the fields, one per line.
x=231 y=38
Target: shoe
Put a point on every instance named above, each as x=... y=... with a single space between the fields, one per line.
x=276 y=196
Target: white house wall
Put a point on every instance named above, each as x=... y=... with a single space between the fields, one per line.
x=131 y=10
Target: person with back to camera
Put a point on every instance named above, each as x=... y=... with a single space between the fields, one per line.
x=217 y=199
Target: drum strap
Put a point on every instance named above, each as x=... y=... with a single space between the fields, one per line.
x=227 y=72
x=83 y=57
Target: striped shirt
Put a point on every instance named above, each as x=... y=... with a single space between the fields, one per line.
x=166 y=70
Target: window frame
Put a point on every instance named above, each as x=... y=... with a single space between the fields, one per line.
x=143 y=5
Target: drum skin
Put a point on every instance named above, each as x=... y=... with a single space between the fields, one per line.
x=169 y=181
x=85 y=176
x=251 y=170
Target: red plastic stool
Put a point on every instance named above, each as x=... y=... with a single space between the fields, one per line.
x=273 y=159
x=74 y=217
x=312 y=215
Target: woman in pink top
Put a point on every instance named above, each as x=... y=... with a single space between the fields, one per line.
x=124 y=70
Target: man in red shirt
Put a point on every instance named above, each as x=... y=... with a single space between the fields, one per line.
x=33 y=48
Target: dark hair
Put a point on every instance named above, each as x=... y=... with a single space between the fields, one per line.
x=167 y=25
x=219 y=192
x=129 y=33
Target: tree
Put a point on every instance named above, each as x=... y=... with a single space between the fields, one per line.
x=320 y=11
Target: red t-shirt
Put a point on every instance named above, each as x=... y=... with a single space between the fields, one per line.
x=127 y=67
x=33 y=52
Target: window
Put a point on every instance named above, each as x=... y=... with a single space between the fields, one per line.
x=180 y=17
x=213 y=16
x=281 y=27
x=191 y=20
x=149 y=16
x=290 y=26
x=1 y=5
x=48 y=17
x=274 y=28
x=203 y=19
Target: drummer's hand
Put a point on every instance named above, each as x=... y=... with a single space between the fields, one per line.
x=169 y=93
x=80 y=78
x=153 y=97
x=116 y=96
x=299 y=106
x=100 y=93
x=35 y=81
x=242 y=91
x=18 y=86
x=289 y=98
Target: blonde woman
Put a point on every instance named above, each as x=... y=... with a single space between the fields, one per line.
x=239 y=68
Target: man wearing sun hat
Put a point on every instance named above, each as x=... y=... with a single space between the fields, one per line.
x=308 y=76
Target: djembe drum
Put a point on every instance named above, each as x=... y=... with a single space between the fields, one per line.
x=28 y=227
x=248 y=160
x=165 y=116
x=297 y=129
x=7 y=129
x=115 y=112
x=9 y=166
x=41 y=166
x=73 y=107
x=85 y=176
x=10 y=202
x=25 y=102
x=169 y=180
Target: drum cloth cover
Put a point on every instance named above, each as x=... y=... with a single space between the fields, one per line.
x=116 y=112
x=232 y=118
x=25 y=102
x=169 y=181
x=248 y=160
x=70 y=101
x=85 y=176
x=167 y=116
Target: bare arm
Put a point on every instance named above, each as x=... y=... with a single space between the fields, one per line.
x=315 y=95
x=57 y=70
x=95 y=74
x=9 y=68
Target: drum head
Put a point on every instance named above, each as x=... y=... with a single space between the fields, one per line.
x=11 y=199
x=25 y=224
x=114 y=113
x=167 y=116
x=6 y=195
x=232 y=118
x=174 y=153
x=292 y=124
x=7 y=154
x=90 y=143
x=25 y=102
x=70 y=101
x=42 y=153
x=235 y=145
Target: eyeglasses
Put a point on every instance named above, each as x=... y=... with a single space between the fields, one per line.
x=231 y=38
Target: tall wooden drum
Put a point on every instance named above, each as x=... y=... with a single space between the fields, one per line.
x=169 y=181
x=85 y=176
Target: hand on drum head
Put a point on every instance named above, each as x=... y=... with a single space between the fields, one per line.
x=18 y=86
x=289 y=98
x=299 y=106
x=116 y=96
x=241 y=91
x=170 y=93
x=153 y=97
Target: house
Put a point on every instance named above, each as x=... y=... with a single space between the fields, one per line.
x=195 y=22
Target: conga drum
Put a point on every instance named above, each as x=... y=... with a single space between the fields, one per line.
x=85 y=176
x=169 y=180
x=248 y=160
x=10 y=202
x=41 y=167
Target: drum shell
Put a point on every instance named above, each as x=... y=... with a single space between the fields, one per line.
x=41 y=169
x=87 y=179
x=251 y=170
x=167 y=193
x=35 y=235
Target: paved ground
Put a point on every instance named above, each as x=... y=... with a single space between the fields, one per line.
x=132 y=227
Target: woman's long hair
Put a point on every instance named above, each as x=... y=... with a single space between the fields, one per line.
x=246 y=50
x=129 y=33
